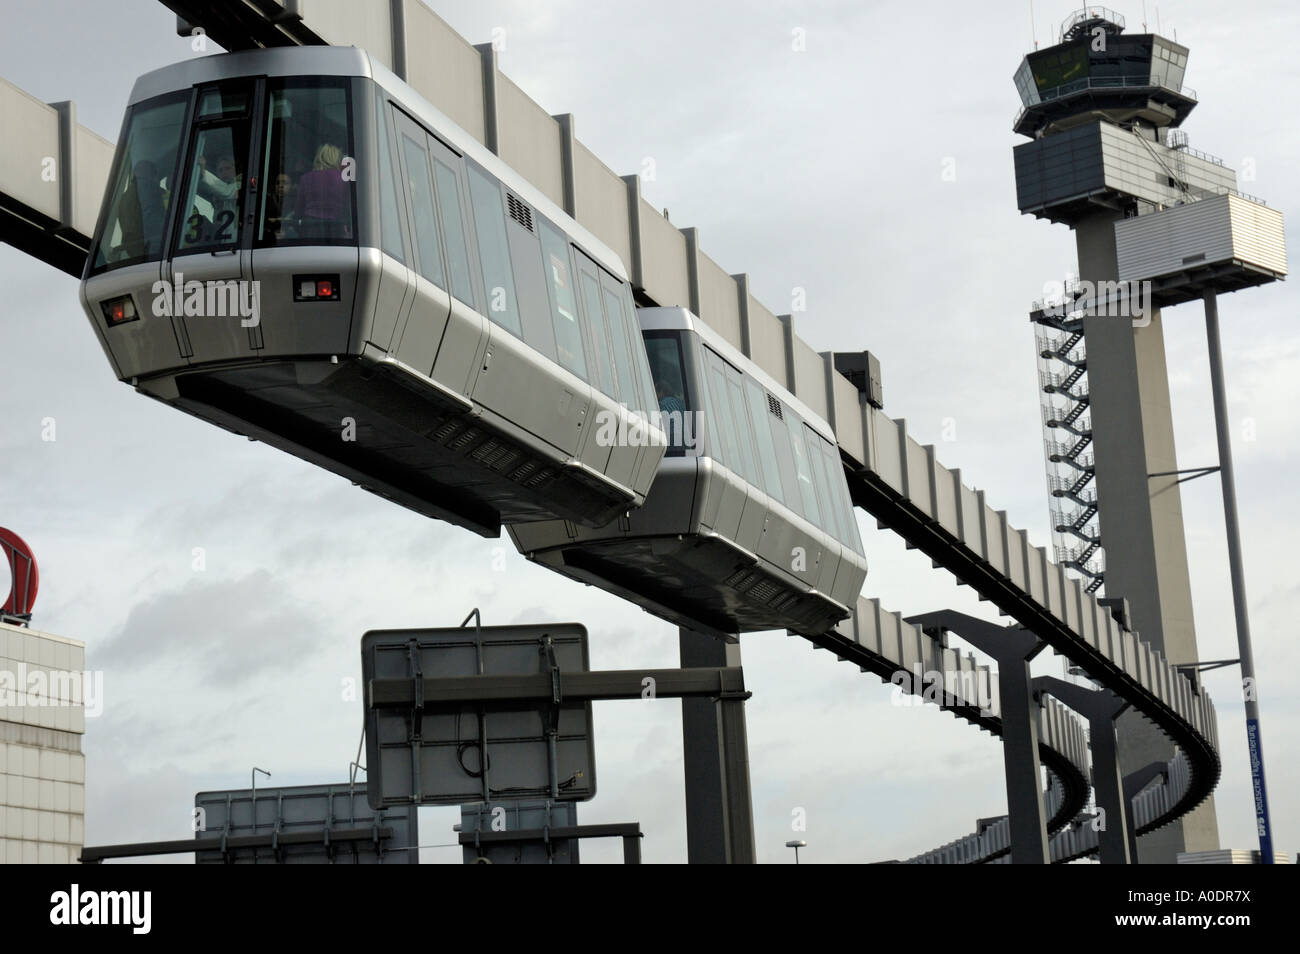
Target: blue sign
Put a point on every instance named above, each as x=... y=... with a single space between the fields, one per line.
x=1256 y=748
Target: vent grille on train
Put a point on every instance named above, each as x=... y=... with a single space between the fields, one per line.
x=774 y=406
x=519 y=211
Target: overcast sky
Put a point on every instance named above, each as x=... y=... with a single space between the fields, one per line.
x=820 y=169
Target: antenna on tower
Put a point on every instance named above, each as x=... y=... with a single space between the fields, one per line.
x=1144 y=16
x=1033 y=30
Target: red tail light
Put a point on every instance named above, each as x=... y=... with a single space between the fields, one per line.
x=118 y=311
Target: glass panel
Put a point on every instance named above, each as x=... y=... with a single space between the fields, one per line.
x=664 y=353
x=308 y=176
x=453 y=231
x=425 y=226
x=599 y=336
x=493 y=252
x=634 y=328
x=801 y=469
x=390 y=222
x=137 y=214
x=840 y=495
x=759 y=413
x=215 y=195
x=830 y=519
x=222 y=103
x=627 y=390
x=785 y=463
x=722 y=422
x=564 y=308
x=744 y=437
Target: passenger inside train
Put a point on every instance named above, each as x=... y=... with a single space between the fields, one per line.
x=323 y=208
x=307 y=197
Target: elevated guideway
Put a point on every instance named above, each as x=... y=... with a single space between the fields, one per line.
x=53 y=173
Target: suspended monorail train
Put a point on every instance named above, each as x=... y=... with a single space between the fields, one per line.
x=298 y=247
x=749 y=524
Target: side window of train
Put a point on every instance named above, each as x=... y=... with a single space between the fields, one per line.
x=419 y=196
x=840 y=494
x=598 y=331
x=450 y=205
x=744 y=432
x=629 y=390
x=803 y=472
x=564 y=304
x=611 y=353
x=733 y=418
x=213 y=204
x=722 y=427
x=633 y=325
x=759 y=411
x=825 y=499
x=390 y=220
x=493 y=250
x=776 y=422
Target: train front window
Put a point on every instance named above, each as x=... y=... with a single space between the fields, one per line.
x=664 y=352
x=215 y=192
x=136 y=222
x=308 y=186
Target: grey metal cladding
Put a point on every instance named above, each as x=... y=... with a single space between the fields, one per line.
x=1059 y=167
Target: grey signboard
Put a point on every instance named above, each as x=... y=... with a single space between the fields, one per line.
x=304 y=824
x=432 y=752
x=518 y=815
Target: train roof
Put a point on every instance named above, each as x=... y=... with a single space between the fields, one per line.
x=351 y=61
x=681 y=319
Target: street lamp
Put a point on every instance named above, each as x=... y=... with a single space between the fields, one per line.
x=796 y=845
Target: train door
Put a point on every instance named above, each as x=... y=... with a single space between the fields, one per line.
x=460 y=353
x=416 y=342
x=216 y=304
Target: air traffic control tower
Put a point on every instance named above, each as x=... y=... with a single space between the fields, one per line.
x=1156 y=223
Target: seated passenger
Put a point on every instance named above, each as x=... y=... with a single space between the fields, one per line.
x=324 y=202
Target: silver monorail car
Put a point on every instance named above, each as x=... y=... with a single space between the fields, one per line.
x=298 y=247
x=749 y=524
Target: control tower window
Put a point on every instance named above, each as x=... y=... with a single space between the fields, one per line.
x=308 y=184
x=135 y=225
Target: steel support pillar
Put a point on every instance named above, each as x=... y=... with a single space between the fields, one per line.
x=1134 y=783
x=1236 y=567
x=1013 y=648
x=1101 y=708
x=719 y=813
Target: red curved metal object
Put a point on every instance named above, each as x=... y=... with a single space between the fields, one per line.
x=26 y=576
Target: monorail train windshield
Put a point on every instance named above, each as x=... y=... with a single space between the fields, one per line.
x=137 y=214
x=304 y=195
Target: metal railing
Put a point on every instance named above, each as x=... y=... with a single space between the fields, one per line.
x=1087 y=14
x=1103 y=82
